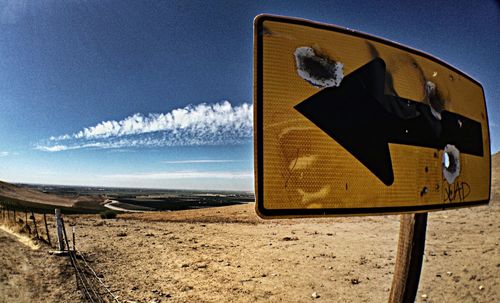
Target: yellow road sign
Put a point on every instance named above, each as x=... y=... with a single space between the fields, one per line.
x=347 y=123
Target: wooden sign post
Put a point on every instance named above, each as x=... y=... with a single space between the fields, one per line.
x=409 y=258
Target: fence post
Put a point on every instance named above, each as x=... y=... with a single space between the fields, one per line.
x=26 y=221
x=60 y=240
x=65 y=235
x=47 y=229
x=74 y=245
x=34 y=222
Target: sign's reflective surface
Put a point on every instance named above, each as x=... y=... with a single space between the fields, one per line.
x=347 y=123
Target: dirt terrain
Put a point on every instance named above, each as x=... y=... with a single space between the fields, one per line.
x=29 y=274
x=228 y=254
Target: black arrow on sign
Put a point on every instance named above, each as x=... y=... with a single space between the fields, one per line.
x=362 y=119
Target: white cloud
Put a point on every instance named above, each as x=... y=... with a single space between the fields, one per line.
x=104 y=145
x=8 y=154
x=202 y=124
x=200 y=161
x=59 y=138
x=183 y=175
x=54 y=148
x=202 y=117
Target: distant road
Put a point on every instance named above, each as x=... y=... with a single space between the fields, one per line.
x=113 y=205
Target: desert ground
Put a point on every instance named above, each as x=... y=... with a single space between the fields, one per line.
x=29 y=274
x=228 y=254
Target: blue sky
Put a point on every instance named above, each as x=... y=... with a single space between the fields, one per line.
x=159 y=93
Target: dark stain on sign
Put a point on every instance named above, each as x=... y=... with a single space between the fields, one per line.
x=318 y=69
x=389 y=82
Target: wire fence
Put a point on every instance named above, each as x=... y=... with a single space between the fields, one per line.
x=26 y=221
x=38 y=226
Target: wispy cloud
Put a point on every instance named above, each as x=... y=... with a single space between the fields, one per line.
x=200 y=161
x=54 y=148
x=4 y=154
x=182 y=175
x=202 y=124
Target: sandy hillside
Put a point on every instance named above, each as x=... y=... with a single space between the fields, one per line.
x=228 y=254
x=19 y=194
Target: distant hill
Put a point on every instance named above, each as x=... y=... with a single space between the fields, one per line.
x=21 y=197
x=495 y=163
